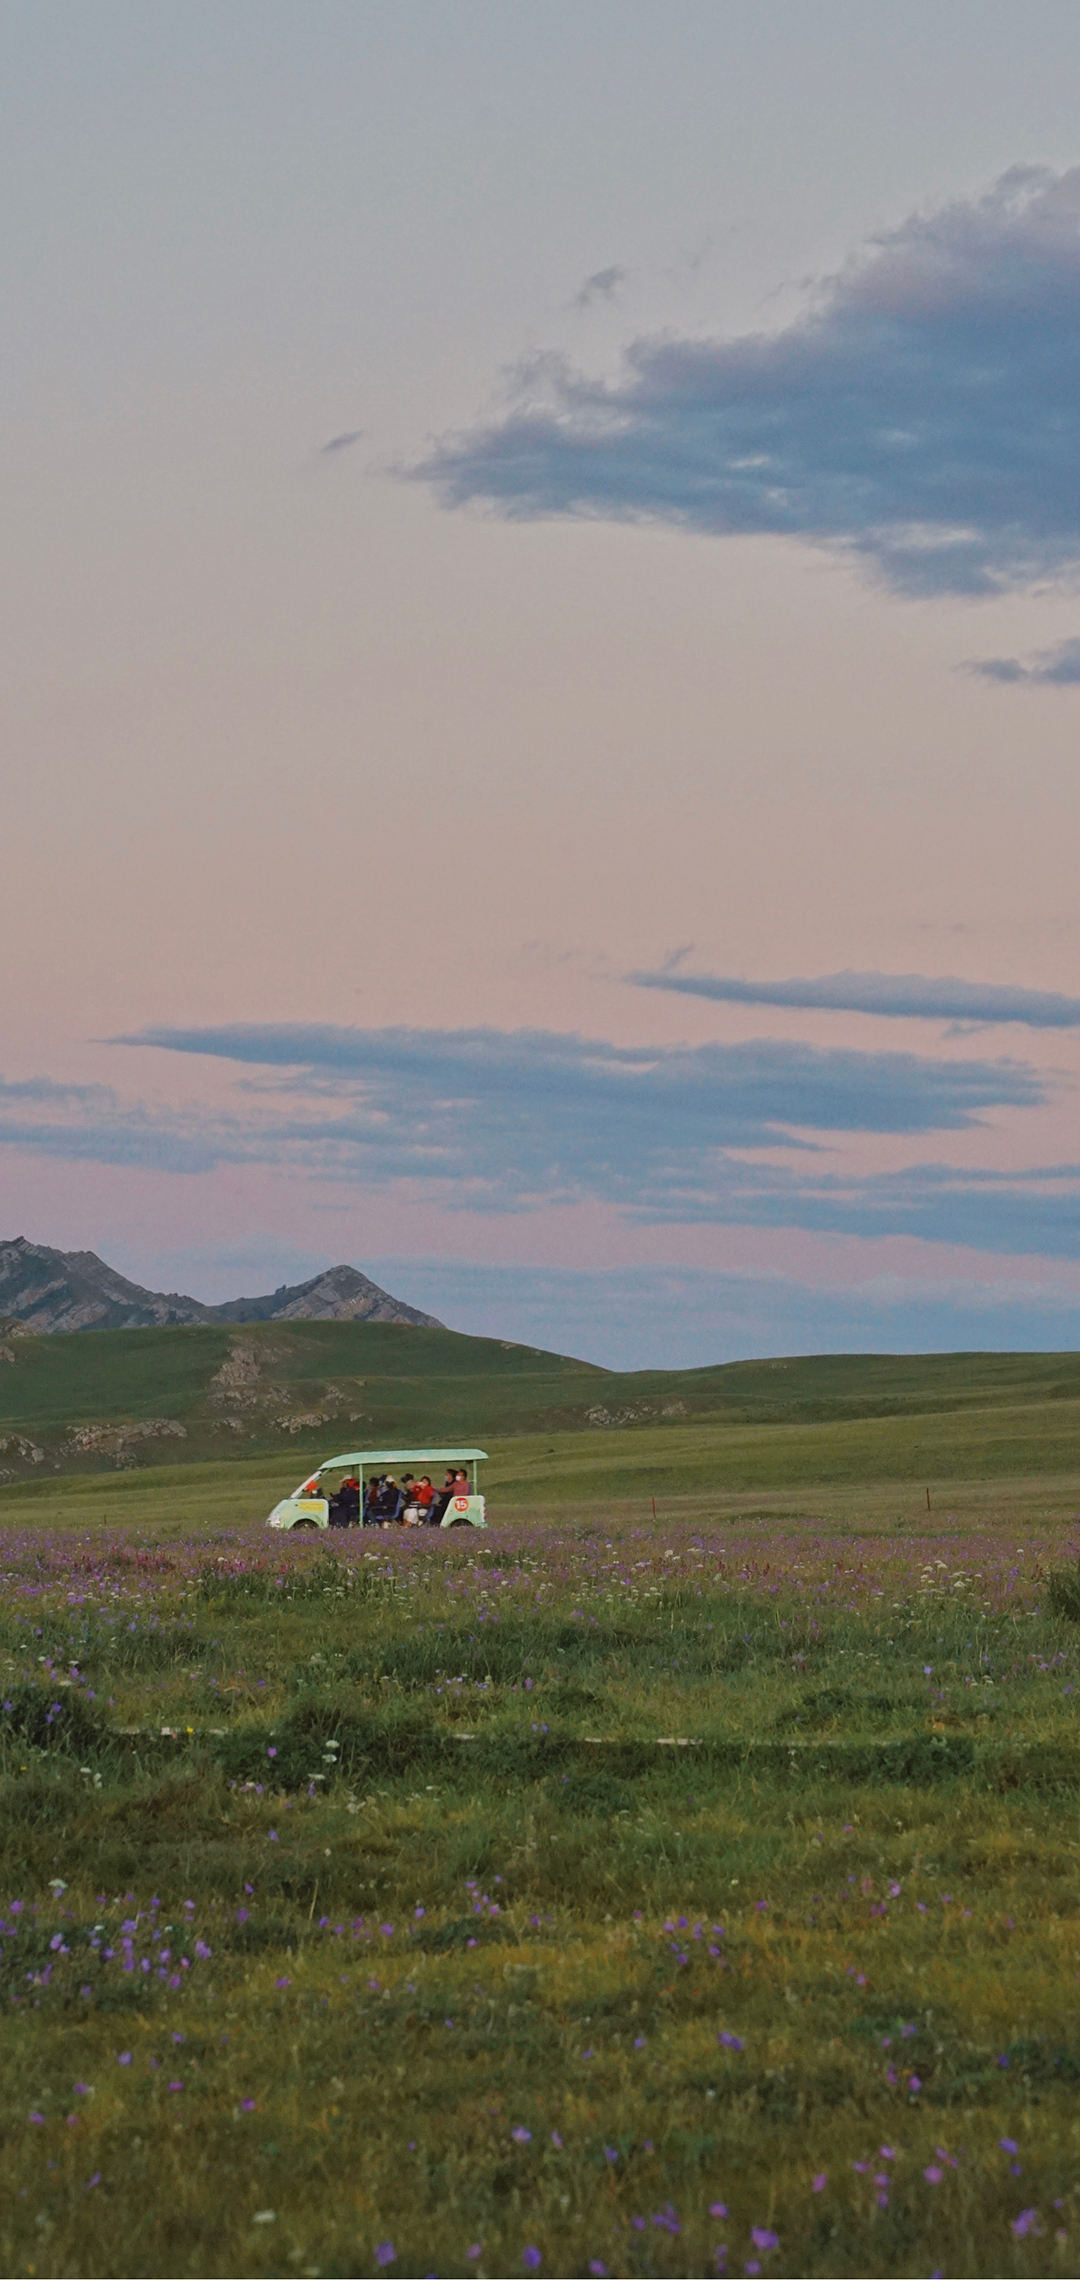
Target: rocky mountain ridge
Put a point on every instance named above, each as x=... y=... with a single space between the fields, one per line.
x=45 y=1290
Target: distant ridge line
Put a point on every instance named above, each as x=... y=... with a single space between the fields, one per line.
x=45 y=1290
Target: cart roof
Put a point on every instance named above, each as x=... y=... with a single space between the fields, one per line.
x=403 y=1457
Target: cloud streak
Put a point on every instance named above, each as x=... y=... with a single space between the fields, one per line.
x=1056 y=668
x=922 y=416
x=496 y=1121
x=920 y=997
x=493 y=1121
x=572 y=1091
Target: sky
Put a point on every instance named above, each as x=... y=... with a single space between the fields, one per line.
x=541 y=700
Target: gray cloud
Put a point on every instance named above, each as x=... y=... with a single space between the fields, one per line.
x=84 y=1098
x=927 y=997
x=603 y=285
x=341 y=442
x=1011 y=1213
x=923 y=415
x=91 y=1124
x=1056 y=668
x=573 y=1101
x=491 y=1121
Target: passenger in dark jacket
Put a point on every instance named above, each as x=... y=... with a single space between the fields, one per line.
x=348 y=1501
x=391 y=1502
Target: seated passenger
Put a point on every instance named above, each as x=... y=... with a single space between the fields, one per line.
x=391 y=1501
x=336 y=1516
x=348 y=1500
x=425 y=1498
x=371 y=1501
x=447 y=1491
x=460 y=1488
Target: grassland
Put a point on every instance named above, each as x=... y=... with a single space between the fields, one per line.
x=605 y=1894
x=98 y=1402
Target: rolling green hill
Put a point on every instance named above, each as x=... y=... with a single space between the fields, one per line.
x=123 y=1400
x=120 y=1399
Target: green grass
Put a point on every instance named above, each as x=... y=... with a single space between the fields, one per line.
x=315 y=1387
x=260 y=1748
x=533 y=1754
x=372 y=1380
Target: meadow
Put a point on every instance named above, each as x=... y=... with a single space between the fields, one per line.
x=599 y=1895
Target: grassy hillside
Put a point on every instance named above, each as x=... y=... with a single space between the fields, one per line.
x=109 y=1401
x=121 y=1399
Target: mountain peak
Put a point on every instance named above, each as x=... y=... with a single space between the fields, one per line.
x=46 y=1290
x=341 y=1294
